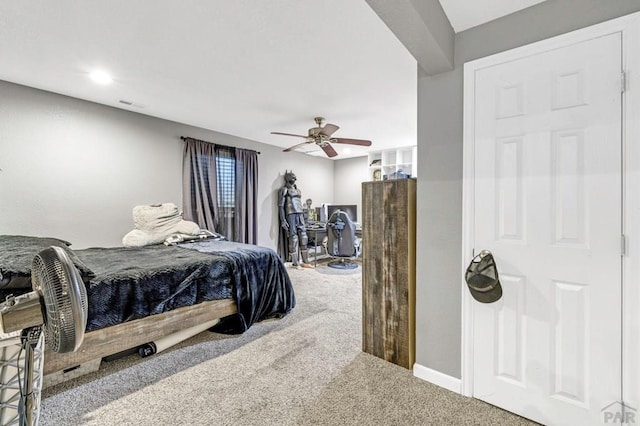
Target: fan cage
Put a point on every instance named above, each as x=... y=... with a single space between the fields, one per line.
x=59 y=283
x=12 y=371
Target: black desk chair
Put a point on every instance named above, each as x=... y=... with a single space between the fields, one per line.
x=342 y=242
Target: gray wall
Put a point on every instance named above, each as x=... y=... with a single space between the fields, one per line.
x=348 y=175
x=75 y=169
x=439 y=207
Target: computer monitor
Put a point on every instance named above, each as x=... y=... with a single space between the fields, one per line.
x=350 y=209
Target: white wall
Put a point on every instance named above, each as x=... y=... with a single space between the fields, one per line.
x=348 y=177
x=74 y=169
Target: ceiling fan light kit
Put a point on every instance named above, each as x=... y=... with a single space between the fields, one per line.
x=322 y=136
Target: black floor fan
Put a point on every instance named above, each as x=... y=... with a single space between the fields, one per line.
x=58 y=306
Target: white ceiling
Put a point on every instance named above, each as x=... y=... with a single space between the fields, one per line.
x=242 y=67
x=465 y=14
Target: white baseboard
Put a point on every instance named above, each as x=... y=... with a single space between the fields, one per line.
x=437 y=378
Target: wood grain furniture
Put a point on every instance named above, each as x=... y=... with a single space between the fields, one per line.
x=388 y=273
x=60 y=367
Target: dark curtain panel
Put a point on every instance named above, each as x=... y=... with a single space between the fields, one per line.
x=246 y=222
x=220 y=189
x=199 y=184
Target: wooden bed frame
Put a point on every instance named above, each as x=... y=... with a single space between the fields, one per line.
x=59 y=367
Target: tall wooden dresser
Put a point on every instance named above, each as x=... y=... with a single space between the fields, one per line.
x=388 y=273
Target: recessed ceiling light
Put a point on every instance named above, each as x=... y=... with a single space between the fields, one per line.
x=101 y=77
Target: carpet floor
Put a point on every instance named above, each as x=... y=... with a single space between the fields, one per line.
x=304 y=369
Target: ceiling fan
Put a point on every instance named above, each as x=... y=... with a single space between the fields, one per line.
x=321 y=136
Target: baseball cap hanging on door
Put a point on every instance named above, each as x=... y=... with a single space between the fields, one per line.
x=482 y=278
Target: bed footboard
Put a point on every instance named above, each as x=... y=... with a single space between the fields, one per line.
x=111 y=340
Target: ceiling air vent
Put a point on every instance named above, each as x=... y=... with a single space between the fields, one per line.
x=129 y=103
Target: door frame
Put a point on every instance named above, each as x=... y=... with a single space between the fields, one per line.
x=629 y=28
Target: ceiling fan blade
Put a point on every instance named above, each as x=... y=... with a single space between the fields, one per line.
x=288 y=134
x=360 y=142
x=329 y=129
x=291 y=148
x=328 y=149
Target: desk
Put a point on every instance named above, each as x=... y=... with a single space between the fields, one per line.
x=318 y=230
x=314 y=232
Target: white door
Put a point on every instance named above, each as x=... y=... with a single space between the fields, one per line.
x=548 y=205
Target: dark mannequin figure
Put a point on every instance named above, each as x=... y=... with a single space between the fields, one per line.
x=292 y=220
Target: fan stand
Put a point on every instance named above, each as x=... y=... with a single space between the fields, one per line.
x=29 y=400
x=20 y=377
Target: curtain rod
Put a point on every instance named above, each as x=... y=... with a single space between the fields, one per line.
x=184 y=138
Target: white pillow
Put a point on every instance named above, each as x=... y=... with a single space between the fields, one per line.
x=155 y=222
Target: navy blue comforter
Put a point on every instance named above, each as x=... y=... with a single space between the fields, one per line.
x=261 y=286
x=132 y=283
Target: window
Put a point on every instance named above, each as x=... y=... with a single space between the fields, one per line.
x=226 y=177
x=226 y=188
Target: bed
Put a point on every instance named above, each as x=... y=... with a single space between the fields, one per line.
x=137 y=295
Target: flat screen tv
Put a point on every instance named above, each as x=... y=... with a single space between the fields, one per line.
x=350 y=209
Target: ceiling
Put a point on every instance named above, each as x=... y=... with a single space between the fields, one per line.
x=465 y=14
x=242 y=67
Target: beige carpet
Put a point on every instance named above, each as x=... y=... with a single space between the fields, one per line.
x=304 y=369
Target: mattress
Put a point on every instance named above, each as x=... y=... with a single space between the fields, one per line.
x=132 y=283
